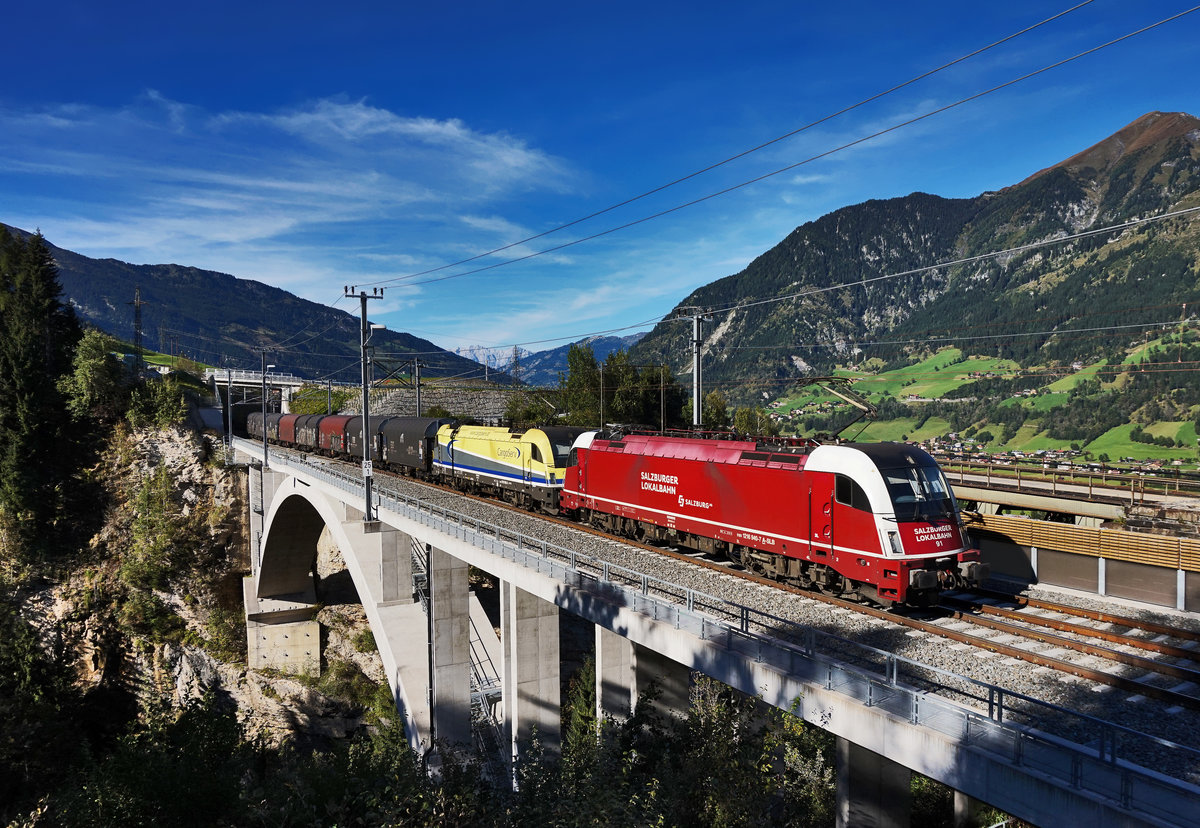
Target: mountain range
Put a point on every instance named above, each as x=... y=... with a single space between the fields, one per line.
x=1046 y=272
x=542 y=368
x=1049 y=271
x=210 y=317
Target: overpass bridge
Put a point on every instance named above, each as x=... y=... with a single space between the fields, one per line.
x=241 y=386
x=1087 y=544
x=649 y=630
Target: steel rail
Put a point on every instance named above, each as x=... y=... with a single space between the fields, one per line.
x=1094 y=615
x=1130 y=659
x=1079 y=629
x=1098 y=676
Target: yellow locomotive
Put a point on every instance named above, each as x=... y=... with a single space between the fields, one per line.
x=522 y=466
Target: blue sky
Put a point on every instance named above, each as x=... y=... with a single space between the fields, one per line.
x=312 y=146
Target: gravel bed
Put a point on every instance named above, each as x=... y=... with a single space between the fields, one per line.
x=1100 y=701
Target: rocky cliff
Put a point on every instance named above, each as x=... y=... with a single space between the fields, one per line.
x=178 y=633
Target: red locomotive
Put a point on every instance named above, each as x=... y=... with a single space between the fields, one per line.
x=876 y=520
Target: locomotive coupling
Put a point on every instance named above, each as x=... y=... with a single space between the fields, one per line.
x=923 y=579
x=974 y=572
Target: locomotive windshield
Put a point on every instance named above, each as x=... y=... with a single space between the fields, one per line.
x=919 y=493
x=561 y=452
x=561 y=439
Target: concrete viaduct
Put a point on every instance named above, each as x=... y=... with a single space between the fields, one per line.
x=885 y=729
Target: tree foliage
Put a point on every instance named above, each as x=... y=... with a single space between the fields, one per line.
x=40 y=735
x=647 y=396
x=157 y=404
x=37 y=334
x=96 y=385
x=318 y=399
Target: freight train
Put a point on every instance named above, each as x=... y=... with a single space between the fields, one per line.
x=876 y=521
x=523 y=466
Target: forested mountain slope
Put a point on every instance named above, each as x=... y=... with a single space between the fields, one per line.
x=209 y=316
x=839 y=291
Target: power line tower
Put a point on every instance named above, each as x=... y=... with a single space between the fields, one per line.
x=137 y=328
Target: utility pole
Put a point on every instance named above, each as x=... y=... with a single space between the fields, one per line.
x=266 y=464
x=137 y=328
x=328 y=396
x=662 y=398
x=601 y=396
x=229 y=410
x=417 y=383
x=363 y=296
x=698 y=315
x=1182 y=322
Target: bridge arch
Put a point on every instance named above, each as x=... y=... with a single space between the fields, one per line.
x=288 y=547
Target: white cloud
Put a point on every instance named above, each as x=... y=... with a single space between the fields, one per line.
x=328 y=192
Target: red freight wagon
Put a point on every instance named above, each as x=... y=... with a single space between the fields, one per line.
x=331 y=435
x=287 y=429
x=877 y=519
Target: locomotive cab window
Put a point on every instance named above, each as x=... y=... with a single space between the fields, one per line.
x=535 y=453
x=919 y=493
x=563 y=450
x=851 y=494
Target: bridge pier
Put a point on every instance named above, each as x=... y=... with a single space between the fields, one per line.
x=395 y=567
x=616 y=675
x=531 y=670
x=872 y=791
x=672 y=681
x=625 y=672
x=450 y=649
x=967 y=810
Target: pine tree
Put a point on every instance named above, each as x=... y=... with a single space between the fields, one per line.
x=37 y=335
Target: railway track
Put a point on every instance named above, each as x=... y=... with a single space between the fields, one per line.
x=1176 y=662
x=1018 y=633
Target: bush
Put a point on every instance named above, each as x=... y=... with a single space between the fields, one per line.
x=157 y=404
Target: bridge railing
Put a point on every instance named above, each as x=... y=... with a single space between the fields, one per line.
x=1079 y=751
x=1036 y=478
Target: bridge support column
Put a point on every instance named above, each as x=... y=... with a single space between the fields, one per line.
x=967 y=811
x=262 y=486
x=872 y=791
x=532 y=695
x=395 y=567
x=672 y=680
x=450 y=649
x=616 y=677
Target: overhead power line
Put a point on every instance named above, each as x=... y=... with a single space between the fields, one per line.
x=900 y=125
x=935 y=340
x=1098 y=231
x=743 y=153
x=648 y=323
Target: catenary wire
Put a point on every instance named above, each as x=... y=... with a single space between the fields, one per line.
x=744 y=153
x=809 y=160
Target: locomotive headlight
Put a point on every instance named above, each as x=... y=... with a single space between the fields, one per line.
x=894 y=539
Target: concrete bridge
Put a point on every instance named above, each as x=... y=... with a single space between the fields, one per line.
x=885 y=728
